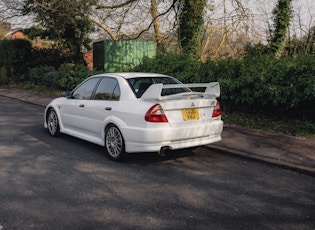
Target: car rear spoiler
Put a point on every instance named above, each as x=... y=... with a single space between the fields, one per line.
x=154 y=91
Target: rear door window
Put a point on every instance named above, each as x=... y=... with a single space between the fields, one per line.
x=108 y=90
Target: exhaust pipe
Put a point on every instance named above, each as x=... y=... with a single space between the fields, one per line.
x=162 y=151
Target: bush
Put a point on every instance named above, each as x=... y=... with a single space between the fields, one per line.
x=258 y=84
x=181 y=66
x=15 y=56
x=48 y=57
x=42 y=75
x=71 y=75
x=266 y=85
x=65 y=78
x=3 y=76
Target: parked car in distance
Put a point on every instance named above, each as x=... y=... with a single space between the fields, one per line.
x=138 y=112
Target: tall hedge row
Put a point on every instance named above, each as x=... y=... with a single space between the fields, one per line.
x=14 y=60
x=67 y=77
x=18 y=56
x=259 y=84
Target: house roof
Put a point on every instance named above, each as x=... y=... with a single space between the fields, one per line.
x=10 y=35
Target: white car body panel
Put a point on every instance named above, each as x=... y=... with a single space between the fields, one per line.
x=87 y=119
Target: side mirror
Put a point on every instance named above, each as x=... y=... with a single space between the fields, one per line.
x=67 y=94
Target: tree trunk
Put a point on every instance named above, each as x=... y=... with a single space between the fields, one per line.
x=190 y=26
x=156 y=25
x=282 y=17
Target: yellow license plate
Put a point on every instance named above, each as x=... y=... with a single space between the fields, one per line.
x=190 y=114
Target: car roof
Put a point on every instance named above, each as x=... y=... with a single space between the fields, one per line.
x=128 y=75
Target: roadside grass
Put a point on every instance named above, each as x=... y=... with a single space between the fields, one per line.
x=292 y=127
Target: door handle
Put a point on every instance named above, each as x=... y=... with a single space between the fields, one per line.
x=108 y=108
x=81 y=105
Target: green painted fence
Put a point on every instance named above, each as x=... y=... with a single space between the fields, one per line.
x=116 y=56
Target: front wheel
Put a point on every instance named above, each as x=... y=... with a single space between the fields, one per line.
x=53 y=123
x=114 y=143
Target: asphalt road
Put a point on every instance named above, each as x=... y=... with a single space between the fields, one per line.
x=66 y=183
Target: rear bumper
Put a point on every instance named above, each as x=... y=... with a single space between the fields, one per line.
x=153 y=139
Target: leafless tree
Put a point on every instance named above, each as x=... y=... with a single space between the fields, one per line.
x=229 y=26
x=132 y=19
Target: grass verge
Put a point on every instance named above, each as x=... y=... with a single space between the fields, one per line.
x=292 y=127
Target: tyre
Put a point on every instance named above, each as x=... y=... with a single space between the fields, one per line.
x=53 y=123
x=114 y=143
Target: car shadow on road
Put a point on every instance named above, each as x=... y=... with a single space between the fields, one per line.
x=68 y=143
x=153 y=157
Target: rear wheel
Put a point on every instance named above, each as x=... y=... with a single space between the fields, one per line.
x=114 y=143
x=53 y=123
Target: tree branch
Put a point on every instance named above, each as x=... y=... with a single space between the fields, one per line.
x=115 y=6
x=106 y=29
x=154 y=19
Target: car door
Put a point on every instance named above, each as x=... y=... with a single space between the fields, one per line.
x=102 y=105
x=74 y=112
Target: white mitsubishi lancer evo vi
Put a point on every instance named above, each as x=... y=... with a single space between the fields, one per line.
x=138 y=112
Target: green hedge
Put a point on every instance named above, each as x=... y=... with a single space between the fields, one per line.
x=66 y=77
x=14 y=58
x=18 y=56
x=258 y=84
x=181 y=66
x=263 y=84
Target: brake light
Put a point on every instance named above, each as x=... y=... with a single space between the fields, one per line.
x=216 y=110
x=156 y=114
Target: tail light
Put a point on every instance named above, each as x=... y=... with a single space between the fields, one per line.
x=156 y=114
x=216 y=110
